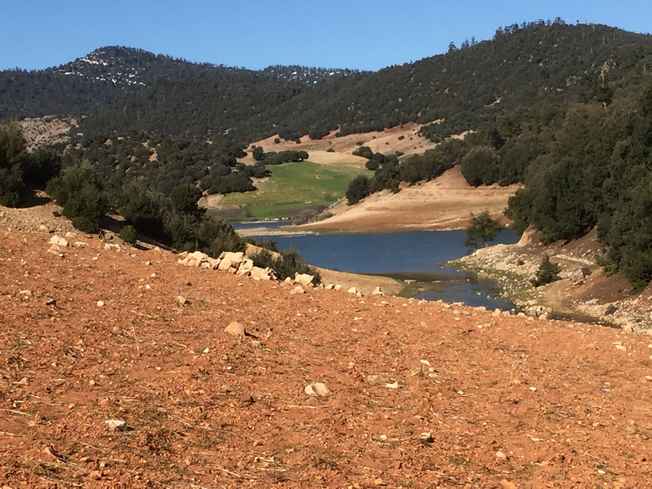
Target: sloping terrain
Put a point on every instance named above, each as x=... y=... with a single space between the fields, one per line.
x=447 y=202
x=333 y=149
x=421 y=394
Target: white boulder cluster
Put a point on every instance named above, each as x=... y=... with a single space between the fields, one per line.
x=241 y=264
x=231 y=262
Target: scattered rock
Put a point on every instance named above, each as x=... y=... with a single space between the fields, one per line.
x=258 y=273
x=317 y=389
x=100 y=303
x=182 y=301
x=116 y=424
x=354 y=291
x=297 y=290
x=57 y=240
x=235 y=329
x=500 y=455
x=230 y=260
x=378 y=291
x=245 y=267
x=304 y=279
x=426 y=438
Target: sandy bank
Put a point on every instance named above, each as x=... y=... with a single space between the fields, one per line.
x=448 y=202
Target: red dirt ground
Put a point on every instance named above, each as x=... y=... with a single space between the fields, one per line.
x=509 y=403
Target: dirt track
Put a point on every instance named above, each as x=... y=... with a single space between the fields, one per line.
x=507 y=402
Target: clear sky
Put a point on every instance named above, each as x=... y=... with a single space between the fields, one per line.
x=367 y=34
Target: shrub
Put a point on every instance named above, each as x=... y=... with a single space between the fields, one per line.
x=547 y=273
x=358 y=189
x=482 y=230
x=286 y=265
x=81 y=195
x=258 y=153
x=128 y=234
x=479 y=166
x=364 y=151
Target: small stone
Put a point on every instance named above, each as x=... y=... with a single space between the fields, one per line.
x=392 y=386
x=426 y=438
x=297 y=290
x=317 y=389
x=50 y=301
x=500 y=455
x=100 y=303
x=235 y=329
x=57 y=240
x=182 y=301
x=116 y=424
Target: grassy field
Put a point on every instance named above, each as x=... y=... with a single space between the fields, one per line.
x=293 y=187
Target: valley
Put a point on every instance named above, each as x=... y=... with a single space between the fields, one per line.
x=434 y=274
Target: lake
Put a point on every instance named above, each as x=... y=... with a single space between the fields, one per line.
x=419 y=258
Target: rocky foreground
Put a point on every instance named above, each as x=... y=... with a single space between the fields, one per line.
x=122 y=368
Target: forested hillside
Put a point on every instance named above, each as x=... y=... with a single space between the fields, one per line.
x=563 y=108
x=470 y=86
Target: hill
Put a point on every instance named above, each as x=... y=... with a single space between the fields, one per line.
x=564 y=109
x=461 y=397
x=447 y=202
x=468 y=86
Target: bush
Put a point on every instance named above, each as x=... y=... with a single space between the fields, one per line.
x=286 y=265
x=258 y=153
x=547 y=273
x=364 y=151
x=482 y=230
x=358 y=189
x=128 y=234
x=480 y=166
x=81 y=195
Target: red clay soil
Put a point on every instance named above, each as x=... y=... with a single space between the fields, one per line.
x=508 y=403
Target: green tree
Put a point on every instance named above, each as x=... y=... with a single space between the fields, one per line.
x=548 y=272
x=482 y=230
x=358 y=189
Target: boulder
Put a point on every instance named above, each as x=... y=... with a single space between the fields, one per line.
x=258 y=273
x=354 y=291
x=317 y=389
x=304 y=279
x=194 y=259
x=230 y=260
x=57 y=240
x=246 y=266
x=235 y=329
x=297 y=290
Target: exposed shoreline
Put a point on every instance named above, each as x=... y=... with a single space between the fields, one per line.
x=584 y=292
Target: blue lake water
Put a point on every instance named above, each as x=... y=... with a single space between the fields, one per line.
x=418 y=256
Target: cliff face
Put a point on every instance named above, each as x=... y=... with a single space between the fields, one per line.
x=117 y=370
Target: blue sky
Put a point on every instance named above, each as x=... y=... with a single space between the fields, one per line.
x=367 y=34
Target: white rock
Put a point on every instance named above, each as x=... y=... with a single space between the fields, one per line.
x=258 y=273
x=297 y=290
x=235 y=329
x=303 y=279
x=116 y=424
x=246 y=266
x=230 y=260
x=378 y=291
x=58 y=241
x=317 y=389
